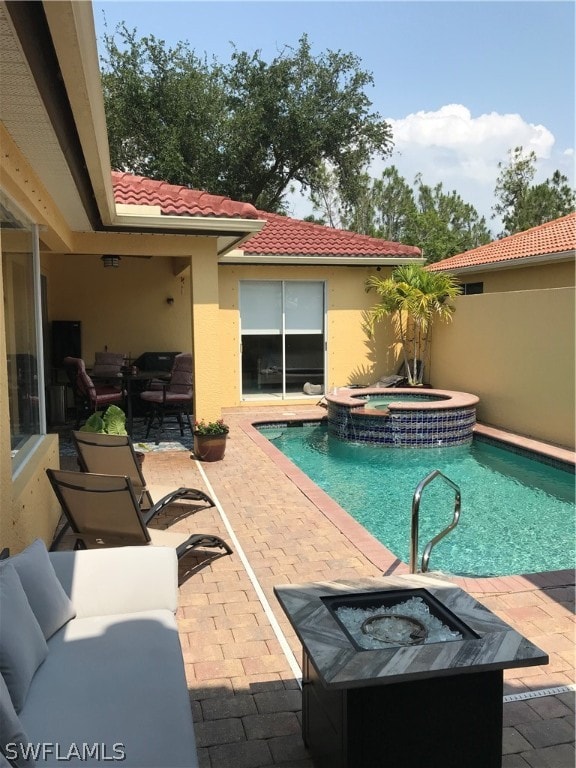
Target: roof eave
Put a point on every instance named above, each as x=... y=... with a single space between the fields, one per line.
x=515 y=263
x=230 y=232
x=74 y=38
x=331 y=260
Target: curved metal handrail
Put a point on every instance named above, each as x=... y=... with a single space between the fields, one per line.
x=415 y=515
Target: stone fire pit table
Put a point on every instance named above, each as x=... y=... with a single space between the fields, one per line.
x=430 y=705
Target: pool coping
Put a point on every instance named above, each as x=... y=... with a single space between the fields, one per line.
x=373 y=549
x=446 y=399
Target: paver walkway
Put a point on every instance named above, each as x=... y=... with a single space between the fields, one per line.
x=244 y=696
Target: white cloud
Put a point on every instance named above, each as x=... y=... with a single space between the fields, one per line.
x=461 y=151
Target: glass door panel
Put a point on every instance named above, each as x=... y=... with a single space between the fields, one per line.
x=282 y=332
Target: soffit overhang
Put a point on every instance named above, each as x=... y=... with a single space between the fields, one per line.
x=338 y=260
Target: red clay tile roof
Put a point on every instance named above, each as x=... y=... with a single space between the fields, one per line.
x=555 y=236
x=289 y=237
x=176 y=200
x=281 y=234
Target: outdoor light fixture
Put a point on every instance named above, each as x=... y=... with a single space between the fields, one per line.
x=111 y=261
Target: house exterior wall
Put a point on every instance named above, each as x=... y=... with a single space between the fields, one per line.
x=124 y=309
x=515 y=350
x=529 y=278
x=351 y=354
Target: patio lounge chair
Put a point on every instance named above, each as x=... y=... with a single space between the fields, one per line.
x=103 y=511
x=104 y=454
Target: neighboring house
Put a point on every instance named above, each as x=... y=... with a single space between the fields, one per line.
x=512 y=341
x=540 y=257
x=262 y=318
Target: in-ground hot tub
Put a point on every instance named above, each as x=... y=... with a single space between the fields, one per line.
x=402 y=417
x=407 y=703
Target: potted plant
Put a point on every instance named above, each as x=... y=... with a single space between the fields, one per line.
x=111 y=422
x=210 y=439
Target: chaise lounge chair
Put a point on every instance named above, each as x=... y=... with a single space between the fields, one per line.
x=103 y=511
x=104 y=454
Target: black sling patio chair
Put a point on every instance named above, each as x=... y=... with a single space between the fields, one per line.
x=104 y=454
x=103 y=511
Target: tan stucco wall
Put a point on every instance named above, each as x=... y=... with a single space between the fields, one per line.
x=34 y=509
x=351 y=356
x=558 y=275
x=124 y=308
x=516 y=352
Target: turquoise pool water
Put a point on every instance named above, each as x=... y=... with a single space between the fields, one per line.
x=517 y=513
x=379 y=402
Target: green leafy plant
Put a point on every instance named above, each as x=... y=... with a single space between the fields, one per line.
x=413 y=298
x=111 y=422
x=218 y=427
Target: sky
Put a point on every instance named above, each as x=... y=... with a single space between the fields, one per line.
x=460 y=82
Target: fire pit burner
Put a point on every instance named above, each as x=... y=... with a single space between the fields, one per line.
x=395 y=628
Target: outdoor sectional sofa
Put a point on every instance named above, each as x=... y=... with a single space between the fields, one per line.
x=92 y=669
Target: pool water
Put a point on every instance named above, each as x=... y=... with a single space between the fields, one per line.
x=517 y=512
x=380 y=402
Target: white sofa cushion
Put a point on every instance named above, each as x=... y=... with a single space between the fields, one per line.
x=12 y=736
x=22 y=644
x=119 y=682
x=102 y=582
x=50 y=604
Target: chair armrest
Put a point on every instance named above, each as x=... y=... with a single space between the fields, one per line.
x=118 y=580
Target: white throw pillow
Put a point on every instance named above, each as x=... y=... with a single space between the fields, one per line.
x=12 y=735
x=22 y=644
x=50 y=604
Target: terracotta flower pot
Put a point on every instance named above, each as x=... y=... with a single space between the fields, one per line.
x=209 y=447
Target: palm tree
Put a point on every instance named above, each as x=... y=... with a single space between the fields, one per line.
x=413 y=297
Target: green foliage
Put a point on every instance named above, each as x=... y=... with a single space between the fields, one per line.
x=111 y=422
x=413 y=298
x=522 y=204
x=441 y=224
x=248 y=129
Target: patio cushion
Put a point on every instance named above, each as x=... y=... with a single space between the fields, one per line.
x=50 y=604
x=22 y=644
x=119 y=681
x=11 y=731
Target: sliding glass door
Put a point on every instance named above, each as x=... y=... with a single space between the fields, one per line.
x=282 y=332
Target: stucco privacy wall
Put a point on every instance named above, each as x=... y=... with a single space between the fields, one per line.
x=351 y=356
x=514 y=350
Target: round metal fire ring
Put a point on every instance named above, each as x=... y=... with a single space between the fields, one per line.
x=394 y=628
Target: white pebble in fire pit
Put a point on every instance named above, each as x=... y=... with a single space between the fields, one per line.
x=415 y=607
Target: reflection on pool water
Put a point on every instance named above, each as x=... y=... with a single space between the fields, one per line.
x=517 y=512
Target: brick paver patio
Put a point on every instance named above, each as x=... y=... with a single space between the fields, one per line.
x=244 y=696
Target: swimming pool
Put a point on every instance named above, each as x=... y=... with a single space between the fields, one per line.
x=517 y=512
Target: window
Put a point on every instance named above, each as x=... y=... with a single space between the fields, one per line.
x=23 y=329
x=468 y=289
